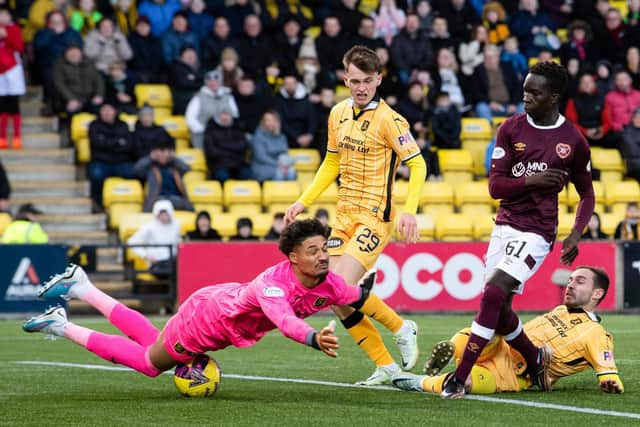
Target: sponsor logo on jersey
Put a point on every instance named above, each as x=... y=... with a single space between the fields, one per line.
x=319 y=302
x=403 y=139
x=563 y=150
x=364 y=126
x=520 y=146
x=273 y=291
x=334 y=242
x=589 y=166
x=498 y=153
x=532 y=168
x=25 y=283
x=607 y=355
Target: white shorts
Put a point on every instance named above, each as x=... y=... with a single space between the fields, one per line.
x=12 y=81
x=517 y=253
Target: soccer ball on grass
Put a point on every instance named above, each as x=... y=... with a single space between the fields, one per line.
x=198 y=378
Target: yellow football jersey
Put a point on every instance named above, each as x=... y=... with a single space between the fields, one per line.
x=371 y=144
x=577 y=339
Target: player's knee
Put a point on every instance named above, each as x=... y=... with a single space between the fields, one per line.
x=504 y=281
x=343 y=311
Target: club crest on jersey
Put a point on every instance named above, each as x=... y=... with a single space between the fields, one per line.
x=319 y=302
x=498 y=153
x=364 y=126
x=519 y=146
x=563 y=150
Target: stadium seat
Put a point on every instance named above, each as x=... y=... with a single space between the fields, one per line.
x=194 y=176
x=622 y=6
x=306 y=159
x=131 y=222
x=157 y=95
x=211 y=208
x=437 y=209
x=472 y=192
x=245 y=209
x=565 y=225
x=83 y=150
x=129 y=119
x=118 y=210
x=572 y=197
x=176 y=126
x=305 y=178
x=609 y=162
x=225 y=224
x=80 y=125
x=456 y=165
x=279 y=192
x=478 y=150
x=609 y=222
x=496 y=122
x=400 y=191
x=475 y=128
x=454 y=228
x=262 y=224
x=205 y=192
x=118 y=190
x=182 y=144
x=187 y=221
x=436 y=198
x=426 y=227
x=330 y=195
x=194 y=157
x=618 y=209
x=5 y=220
x=342 y=93
x=482 y=227
x=276 y=207
x=621 y=192
x=562 y=34
x=242 y=191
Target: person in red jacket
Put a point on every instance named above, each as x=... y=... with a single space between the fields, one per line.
x=591 y=114
x=11 y=78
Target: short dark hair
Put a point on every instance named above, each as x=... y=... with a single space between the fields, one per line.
x=554 y=73
x=600 y=279
x=244 y=222
x=363 y=58
x=299 y=231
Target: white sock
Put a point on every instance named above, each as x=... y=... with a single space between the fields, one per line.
x=391 y=367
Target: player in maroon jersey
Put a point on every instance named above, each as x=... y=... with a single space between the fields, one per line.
x=536 y=154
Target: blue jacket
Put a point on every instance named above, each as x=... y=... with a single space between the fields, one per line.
x=49 y=46
x=200 y=24
x=266 y=149
x=160 y=15
x=172 y=42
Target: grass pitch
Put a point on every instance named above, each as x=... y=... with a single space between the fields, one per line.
x=37 y=395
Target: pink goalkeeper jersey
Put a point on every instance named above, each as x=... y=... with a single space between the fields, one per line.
x=238 y=314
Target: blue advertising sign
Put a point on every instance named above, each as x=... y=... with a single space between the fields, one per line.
x=23 y=270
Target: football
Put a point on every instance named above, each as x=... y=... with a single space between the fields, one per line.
x=198 y=378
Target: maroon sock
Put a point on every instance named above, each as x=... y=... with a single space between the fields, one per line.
x=17 y=125
x=515 y=336
x=482 y=329
x=4 y=122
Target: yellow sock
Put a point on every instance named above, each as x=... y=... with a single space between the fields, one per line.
x=368 y=338
x=434 y=384
x=377 y=309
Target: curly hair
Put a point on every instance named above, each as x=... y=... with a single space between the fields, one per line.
x=299 y=231
x=554 y=73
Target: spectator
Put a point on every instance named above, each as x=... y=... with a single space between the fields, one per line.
x=633 y=65
x=236 y=14
x=203 y=230
x=254 y=48
x=389 y=20
x=496 y=89
x=106 y=45
x=322 y=109
x=25 y=227
x=296 y=112
x=446 y=79
x=162 y=172
x=126 y=16
x=322 y=215
x=534 y=29
x=413 y=107
x=215 y=43
x=147 y=133
x=276 y=227
x=560 y=11
x=439 y=36
x=594 y=230
x=271 y=160
x=391 y=85
x=494 y=19
x=425 y=15
x=461 y=17
x=251 y=103
x=446 y=122
x=164 y=229
x=616 y=38
x=622 y=101
x=178 y=36
x=307 y=64
x=244 y=230
x=633 y=15
x=185 y=79
x=511 y=55
x=112 y=152
x=212 y=98
x=229 y=68
x=471 y=52
x=49 y=46
x=630 y=146
x=411 y=50
x=226 y=148
x=287 y=45
x=349 y=16
x=200 y=22
x=591 y=115
x=85 y=17
x=604 y=76
x=38 y=15
x=367 y=35
x=78 y=84
x=146 y=64
x=160 y=14
x=5 y=190
x=120 y=89
x=12 y=84
x=579 y=44
x=330 y=48
x=627 y=229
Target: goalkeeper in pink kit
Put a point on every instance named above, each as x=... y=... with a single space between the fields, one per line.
x=215 y=316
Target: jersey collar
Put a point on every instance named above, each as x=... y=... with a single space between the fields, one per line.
x=372 y=105
x=557 y=124
x=591 y=314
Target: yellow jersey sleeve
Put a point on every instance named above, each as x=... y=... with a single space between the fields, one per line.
x=326 y=174
x=398 y=137
x=600 y=353
x=332 y=145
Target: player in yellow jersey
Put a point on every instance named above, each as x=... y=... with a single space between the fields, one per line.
x=367 y=142
x=572 y=330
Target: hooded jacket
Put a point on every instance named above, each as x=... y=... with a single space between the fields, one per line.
x=157 y=233
x=296 y=112
x=79 y=81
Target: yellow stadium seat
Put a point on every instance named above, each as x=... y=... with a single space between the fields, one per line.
x=618 y=209
x=194 y=176
x=212 y=208
x=330 y=195
x=187 y=220
x=621 y=192
x=261 y=224
x=562 y=34
x=472 y=198
x=83 y=150
x=565 y=225
x=497 y=121
x=609 y=222
x=437 y=209
x=622 y=6
x=182 y=144
x=436 y=192
x=478 y=150
x=225 y=224
x=306 y=159
x=5 y=220
x=456 y=165
x=454 y=228
x=276 y=207
x=305 y=178
x=279 y=192
x=176 y=126
x=117 y=211
x=342 y=93
x=194 y=157
x=533 y=61
x=313 y=31
x=205 y=192
x=122 y=191
x=130 y=223
x=80 y=125
x=241 y=191
x=572 y=197
x=426 y=227
x=475 y=128
x=156 y=95
x=483 y=227
x=245 y=209
x=129 y=119
x=609 y=162
x=400 y=191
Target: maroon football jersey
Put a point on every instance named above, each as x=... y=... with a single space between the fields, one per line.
x=524 y=149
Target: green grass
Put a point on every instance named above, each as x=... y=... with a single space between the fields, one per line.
x=47 y=395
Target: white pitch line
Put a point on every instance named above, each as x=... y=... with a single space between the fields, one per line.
x=539 y=405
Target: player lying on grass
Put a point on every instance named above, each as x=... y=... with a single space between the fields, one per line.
x=572 y=330
x=216 y=316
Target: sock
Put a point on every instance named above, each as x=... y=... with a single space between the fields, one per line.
x=99 y=300
x=377 y=309
x=17 y=125
x=4 y=122
x=515 y=336
x=482 y=329
x=77 y=334
x=434 y=384
x=117 y=349
x=368 y=338
x=134 y=325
